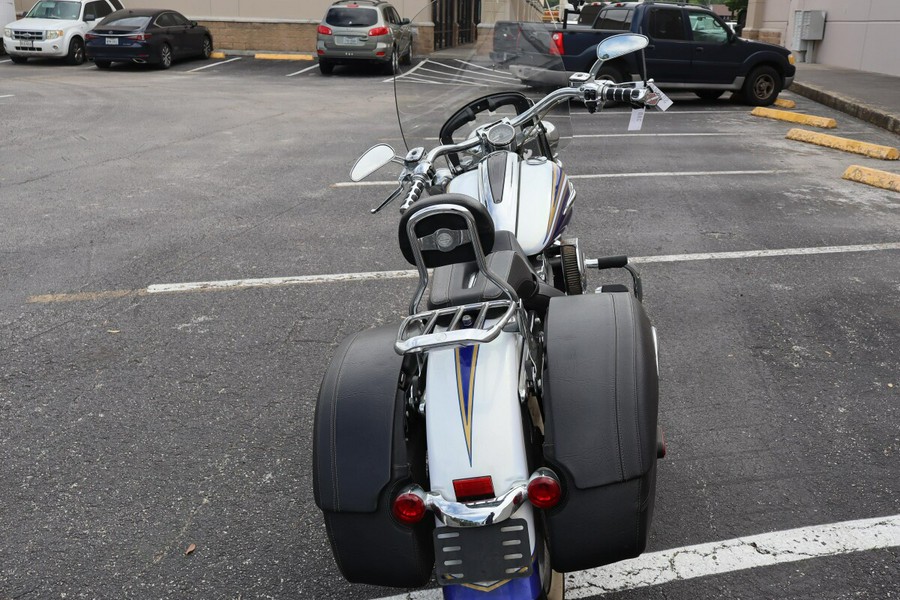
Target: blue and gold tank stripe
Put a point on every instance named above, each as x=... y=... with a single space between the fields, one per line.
x=466 y=358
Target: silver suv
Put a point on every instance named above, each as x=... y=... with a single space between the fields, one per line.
x=363 y=31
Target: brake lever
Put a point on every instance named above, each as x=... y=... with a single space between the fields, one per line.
x=394 y=195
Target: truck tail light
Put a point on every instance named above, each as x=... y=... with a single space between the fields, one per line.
x=556 y=44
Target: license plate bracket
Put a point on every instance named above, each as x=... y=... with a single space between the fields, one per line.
x=346 y=40
x=482 y=554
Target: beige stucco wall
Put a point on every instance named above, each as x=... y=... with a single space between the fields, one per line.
x=859 y=34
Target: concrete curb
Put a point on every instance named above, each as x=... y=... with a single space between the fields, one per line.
x=844 y=144
x=873 y=177
x=263 y=55
x=851 y=106
x=781 y=115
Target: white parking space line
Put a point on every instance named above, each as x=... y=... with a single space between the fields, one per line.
x=236 y=284
x=8 y=96
x=671 y=111
x=407 y=74
x=727 y=556
x=315 y=66
x=344 y=184
x=214 y=64
x=5 y=61
x=619 y=135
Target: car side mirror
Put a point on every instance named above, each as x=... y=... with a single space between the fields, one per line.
x=193 y=23
x=405 y=21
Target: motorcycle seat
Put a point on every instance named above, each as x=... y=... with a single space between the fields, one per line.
x=462 y=283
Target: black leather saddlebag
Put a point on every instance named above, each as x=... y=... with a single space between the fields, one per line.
x=364 y=450
x=600 y=401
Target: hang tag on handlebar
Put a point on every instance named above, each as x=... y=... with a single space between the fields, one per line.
x=637 y=119
x=664 y=101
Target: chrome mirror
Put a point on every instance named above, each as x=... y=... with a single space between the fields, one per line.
x=372 y=159
x=621 y=44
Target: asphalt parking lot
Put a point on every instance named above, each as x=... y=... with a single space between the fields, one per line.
x=138 y=419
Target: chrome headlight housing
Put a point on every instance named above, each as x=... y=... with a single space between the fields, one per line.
x=55 y=34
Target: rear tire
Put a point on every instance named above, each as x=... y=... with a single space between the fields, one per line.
x=75 y=56
x=326 y=68
x=762 y=86
x=103 y=64
x=165 y=56
x=406 y=59
x=19 y=60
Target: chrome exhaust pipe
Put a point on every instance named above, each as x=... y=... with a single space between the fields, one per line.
x=139 y=61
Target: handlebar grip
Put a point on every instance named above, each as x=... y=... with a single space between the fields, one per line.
x=620 y=94
x=415 y=192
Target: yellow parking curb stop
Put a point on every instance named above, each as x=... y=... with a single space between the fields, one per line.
x=873 y=177
x=785 y=103
x=266 y=56
x=839 y=143
x=782 y=115
x=217 y=55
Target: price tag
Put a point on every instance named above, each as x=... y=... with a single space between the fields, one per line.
x=637 y=119
x=664 y=101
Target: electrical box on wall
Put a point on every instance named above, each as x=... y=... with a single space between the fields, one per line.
x=812 y=26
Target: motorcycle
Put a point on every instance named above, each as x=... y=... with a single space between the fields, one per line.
x=505 y=432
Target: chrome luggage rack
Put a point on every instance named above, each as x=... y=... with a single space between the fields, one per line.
x=455 y=326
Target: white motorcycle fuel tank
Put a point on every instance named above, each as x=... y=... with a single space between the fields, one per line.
x=530 y=197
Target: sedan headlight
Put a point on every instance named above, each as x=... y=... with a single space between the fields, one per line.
x=55 y=34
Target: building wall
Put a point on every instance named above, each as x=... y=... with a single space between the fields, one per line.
x=859 y=34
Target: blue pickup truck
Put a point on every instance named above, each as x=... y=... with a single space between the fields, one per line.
x=691 y=49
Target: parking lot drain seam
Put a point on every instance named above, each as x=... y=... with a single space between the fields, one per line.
x=783 y=115
x=873 y=177
x=844 y=144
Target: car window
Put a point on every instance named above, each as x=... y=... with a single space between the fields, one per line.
x=180 y=20
x=614 y=18
x=667 y=24
x=165 y=20
x=351 y=17
x=129 y=22
x=705 y=28
x=97 y=9
x=49 y=9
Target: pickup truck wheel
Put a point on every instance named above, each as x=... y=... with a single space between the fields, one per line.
x=709 y=94
x=19 y=60
x=762 y=86
x=76 y=52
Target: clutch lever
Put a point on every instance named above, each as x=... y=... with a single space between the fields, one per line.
x=394 y=195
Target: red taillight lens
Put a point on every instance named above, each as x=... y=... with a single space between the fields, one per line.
x=544 y=492
x=323 y=30
x=408 y=508
x=556 y=44
x=140 y=37
x=378 y=31
x=474 y=488
x=90 y=36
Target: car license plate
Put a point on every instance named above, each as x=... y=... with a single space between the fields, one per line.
x=26 y=43
x=344 y=40
x=111 y=41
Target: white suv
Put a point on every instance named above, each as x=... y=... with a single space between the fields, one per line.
x=55 y=29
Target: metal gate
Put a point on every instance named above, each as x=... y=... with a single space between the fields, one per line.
x=454 y=22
